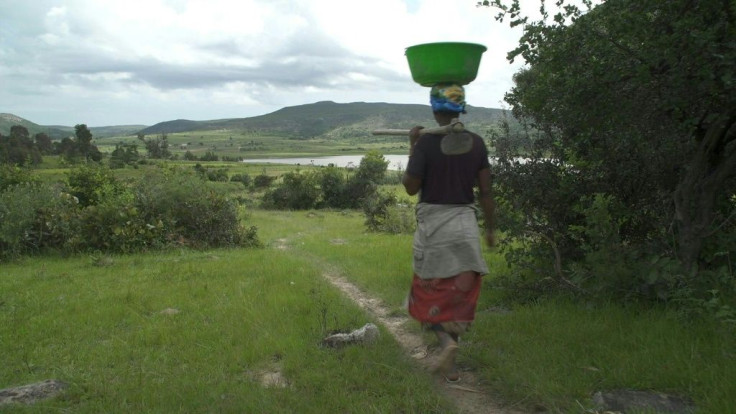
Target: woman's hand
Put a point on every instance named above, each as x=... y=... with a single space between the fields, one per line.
x=414 y=135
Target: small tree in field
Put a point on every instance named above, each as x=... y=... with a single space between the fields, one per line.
x=18 y=148
x=156 y=148
x=84 y=145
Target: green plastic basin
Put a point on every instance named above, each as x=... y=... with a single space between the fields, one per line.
x=433 y=63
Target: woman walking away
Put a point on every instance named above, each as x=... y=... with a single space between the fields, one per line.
x=448 y=264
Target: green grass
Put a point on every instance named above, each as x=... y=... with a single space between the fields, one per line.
x=96 y=323
x=254 y=145
x=557 y=352
x=552 y=354
x=241 y=313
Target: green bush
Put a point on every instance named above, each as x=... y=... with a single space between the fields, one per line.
x=209 y=156
x=162 y=209
x=91 y=183
x=298 y=191
x=11 y=175
x=328 y=187
x=362 y=186
x=385 y=213
x=241 y=178
x=190 y=211
x=333 y=183
x=217 y=174
x=124 y=154
x=116 y=224
x=263 y=180
x=35 y=217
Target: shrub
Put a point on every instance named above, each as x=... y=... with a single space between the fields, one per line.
x=363 y=185
x=124 y=154
x=209 y=156
x=333 y=183
x=387 y=214
x=116 y=224
x=34 y=217
x=90 y=183
x=241 y=178
x=11 y=175
x=298 y=191
x=217 y=174
x=166 y=207
x=263 y=180
x=190 y=211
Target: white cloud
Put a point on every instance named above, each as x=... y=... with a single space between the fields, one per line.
x=105 y=62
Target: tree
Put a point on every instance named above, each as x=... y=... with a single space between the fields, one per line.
x=79 y=147
x=157 y=148
x=298 y=191
x=635 y=107
x=84 y=144
x=368 y=176
x=124 y=154
x=43 y=143
x=189 y=156
x=209 y=156
x=67 y=149
x=18 y=149
x=332 y=182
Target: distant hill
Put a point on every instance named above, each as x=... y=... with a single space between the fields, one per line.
x=320 y=119
x=9 y=120
x=116 y=130
x=59 y=131
x=327 y=118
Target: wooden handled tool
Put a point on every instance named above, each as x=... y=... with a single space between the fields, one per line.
x=455 y=126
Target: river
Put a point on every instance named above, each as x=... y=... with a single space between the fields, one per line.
x=395 y=162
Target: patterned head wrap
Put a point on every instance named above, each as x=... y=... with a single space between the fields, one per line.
x=447 y=97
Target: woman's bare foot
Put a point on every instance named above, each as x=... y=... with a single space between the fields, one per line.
x=446 y=359
x=453 y=375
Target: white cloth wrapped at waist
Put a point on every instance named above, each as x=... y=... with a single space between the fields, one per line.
x=447 y=241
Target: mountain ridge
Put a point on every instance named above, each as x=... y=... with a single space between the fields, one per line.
x=8 y=120
x=323 y=118
x=326 y=117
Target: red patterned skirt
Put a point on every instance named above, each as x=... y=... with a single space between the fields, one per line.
x=436 y=301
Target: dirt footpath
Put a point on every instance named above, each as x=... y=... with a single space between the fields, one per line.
x=468 y=395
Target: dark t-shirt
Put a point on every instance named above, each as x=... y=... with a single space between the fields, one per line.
x=447 y=179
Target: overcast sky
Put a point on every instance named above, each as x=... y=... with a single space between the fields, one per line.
x=117 y=62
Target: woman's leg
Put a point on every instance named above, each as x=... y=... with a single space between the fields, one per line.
x=446 y=362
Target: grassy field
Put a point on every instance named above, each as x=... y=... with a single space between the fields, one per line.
x=246 y=144
x=196 y=332
x=190 y=331
x=208 y=331
x=552 y=354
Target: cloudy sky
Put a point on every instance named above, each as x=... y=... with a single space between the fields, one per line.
x=117 y=62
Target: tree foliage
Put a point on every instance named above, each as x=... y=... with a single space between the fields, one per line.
x=93 y=211
x=77 y=149
x=18 y=148
x=634 y=151
x=158 y=147
x=329 y=187
x=124 y=154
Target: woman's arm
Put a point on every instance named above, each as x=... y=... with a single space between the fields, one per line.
x=412 y=184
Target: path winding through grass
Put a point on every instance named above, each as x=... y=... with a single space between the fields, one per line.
x=469 y=395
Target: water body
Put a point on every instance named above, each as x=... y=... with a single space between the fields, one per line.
x=396 y=162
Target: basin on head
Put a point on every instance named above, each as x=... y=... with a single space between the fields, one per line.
x=444 y=62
